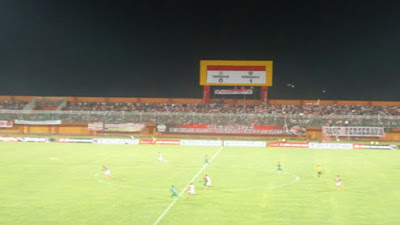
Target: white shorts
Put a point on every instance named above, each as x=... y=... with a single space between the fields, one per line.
x=192 y=192
x=338 y=184
x=208 y=184
x=107 y=173
x=160 y=159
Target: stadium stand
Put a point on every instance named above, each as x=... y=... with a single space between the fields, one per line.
x=237 y=109
x=12 y=105
x=215 y=113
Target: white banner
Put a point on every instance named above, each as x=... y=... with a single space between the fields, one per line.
x=124 y=127
x=236 y=77
x=6 y=124
x=33 y=139
x=201 y=142
x=331 y=145
x=246 y=143
x=233 y=92
x=38 y=122
x=354 y=131
x=117 y=141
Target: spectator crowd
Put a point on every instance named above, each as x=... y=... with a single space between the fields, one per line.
x=237 y=109
x=215 y=113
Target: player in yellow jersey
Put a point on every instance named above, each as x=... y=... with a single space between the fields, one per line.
x=319 y=171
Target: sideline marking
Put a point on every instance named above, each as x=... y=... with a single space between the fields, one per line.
x=183 y=191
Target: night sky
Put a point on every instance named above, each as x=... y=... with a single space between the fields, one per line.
x=147 y=48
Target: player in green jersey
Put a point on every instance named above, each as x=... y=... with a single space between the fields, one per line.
x=174 y=192
x=279 y=168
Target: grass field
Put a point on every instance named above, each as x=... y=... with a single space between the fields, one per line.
x=52 y=183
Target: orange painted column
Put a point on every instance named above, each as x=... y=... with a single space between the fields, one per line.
x=206 y=94
x=264 y=94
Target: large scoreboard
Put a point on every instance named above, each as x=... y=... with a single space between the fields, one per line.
x=235 y=73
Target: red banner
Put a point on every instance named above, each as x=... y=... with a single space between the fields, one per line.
x=6 y=124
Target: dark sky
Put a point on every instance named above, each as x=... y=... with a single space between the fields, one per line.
x=152 y=48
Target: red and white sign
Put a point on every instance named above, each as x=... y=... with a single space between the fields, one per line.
x=6 y=124
x=159 y=142
x=236 y=74
x=98 y=126
x=9 y=139
x=288 y=144
x=242 y=91
x=147 y=141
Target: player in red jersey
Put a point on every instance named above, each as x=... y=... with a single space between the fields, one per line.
x=339 y=183
x=107 y=172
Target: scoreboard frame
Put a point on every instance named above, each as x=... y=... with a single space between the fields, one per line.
x=248 y=63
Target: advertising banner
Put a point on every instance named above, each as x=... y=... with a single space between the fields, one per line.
x=233 y=91
x=201 y=142
x=38 y=122
x=231 y=129
x=245 y=143
x=6 y=124
x=75 y=140
x=159 y=142
x=98 y=126
x=331 y=145
x=124 y=127
x=9 y=139
x=33 y=139
x=288 y=144
x=147 y=141
x=116 y=141
x=383 y=147
x=168 y=142
x=354 y=131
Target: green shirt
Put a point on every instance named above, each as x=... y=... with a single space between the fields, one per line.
x=173 y=190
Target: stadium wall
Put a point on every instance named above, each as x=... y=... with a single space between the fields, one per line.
x=81 y=129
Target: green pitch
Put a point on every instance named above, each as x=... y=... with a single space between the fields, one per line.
x=63 y=184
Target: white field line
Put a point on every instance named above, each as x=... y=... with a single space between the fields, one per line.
x=183 y=191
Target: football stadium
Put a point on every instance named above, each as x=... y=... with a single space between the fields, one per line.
x=199 y=113
x=104 y=160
